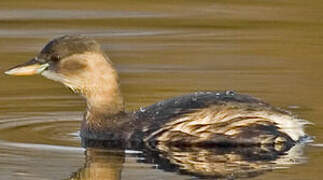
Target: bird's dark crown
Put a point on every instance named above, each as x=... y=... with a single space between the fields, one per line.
x=68 y=45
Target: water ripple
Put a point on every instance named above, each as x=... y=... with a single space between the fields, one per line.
x=57 y=130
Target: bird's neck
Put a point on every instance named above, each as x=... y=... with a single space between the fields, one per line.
x=105 y=106
x=105 y=114
x=104 y=98
x=102 y=93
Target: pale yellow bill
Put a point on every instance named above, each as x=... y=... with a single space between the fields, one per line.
x=27 y=70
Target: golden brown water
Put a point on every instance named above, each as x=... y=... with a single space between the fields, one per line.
x=271 y=49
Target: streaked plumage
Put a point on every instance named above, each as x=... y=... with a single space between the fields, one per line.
x=223 y=118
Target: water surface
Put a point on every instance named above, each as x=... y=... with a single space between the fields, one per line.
x=271 y=49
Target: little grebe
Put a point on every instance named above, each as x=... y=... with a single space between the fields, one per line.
x=202 y=118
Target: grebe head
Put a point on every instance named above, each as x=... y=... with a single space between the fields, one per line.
x=79 y=63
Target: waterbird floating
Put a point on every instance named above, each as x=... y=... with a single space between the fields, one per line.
x=222 y=118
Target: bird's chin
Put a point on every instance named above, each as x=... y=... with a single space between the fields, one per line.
x=52 y=75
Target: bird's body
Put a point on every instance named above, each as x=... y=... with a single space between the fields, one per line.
x=219 y=118
x=203 y=119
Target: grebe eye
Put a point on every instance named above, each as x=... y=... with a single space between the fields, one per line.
x=55 y=58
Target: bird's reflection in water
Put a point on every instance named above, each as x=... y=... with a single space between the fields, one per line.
x=101 y=164
x=227 y=162
x=104 y=162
